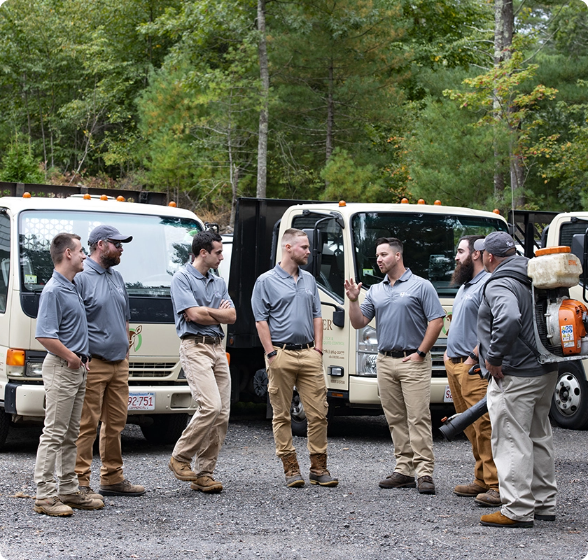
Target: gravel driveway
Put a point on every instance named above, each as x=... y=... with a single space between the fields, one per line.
x=257 y=517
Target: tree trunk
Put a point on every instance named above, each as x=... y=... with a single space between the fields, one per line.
x=330 y=114
x=263 y=113
x=235 y=183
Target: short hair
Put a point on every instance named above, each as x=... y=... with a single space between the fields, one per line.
x=60 y=243
x=204 y=240
x=471 y=239
x=394 y=242
x=290 y=236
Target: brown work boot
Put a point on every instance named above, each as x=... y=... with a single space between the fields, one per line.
x=490 y=498
x=292 y=471
x=318 y=471
x=398 y=480
x=181 y=470
x=207 y=484
x=124 y=488
x=496 y=519
x=469 y=490
x=89 y=493
x=426 y=485
x=52 y=506
x=80 y=501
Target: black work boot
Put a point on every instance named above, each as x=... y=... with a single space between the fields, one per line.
x=318 y=471
x=292 y=471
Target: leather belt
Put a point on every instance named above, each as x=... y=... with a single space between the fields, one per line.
x=201 y=339
x=105 y=360
x=85 y=359
x=458 y=360
x=397 y=353
x=286 y=346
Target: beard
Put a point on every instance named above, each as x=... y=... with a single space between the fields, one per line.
x=300 y=261
x=463 y=272
x=110 y=258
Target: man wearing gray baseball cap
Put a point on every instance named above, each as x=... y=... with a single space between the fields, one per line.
x=107 y=390
x=520 y=389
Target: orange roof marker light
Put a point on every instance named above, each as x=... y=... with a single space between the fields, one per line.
x=404 y=201
x=26 y=195
x=120 y=198
x=421 y=201
x=496 y=211
x=87 y=196
x=342 y=203
x=103 y=197
x=438 y=203
x=173 y=204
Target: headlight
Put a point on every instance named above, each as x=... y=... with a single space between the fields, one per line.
x=367 y=351
x=33 y=369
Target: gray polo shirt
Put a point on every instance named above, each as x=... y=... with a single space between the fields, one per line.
x=288 y=306
x=402 y=311
x=463 y=337
x=189 y=288
x=62 y=315
x=107 y=309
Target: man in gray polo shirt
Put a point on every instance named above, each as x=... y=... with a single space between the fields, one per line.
x=107 y=393
x=409 y=318
x=62 y=329
x=466 y=389
x=287 y=311
x=201 y=304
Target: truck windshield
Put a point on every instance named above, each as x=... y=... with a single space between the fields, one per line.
x=430 y=242
x=159 y=247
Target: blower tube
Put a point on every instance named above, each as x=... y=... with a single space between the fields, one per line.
x=453 y=426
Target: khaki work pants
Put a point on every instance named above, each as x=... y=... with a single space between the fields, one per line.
x=64 y=397
x=466 y=391
x=303 y=369
x=522 y=443
x=107 y=401
x=208 y=375
x=405 y=392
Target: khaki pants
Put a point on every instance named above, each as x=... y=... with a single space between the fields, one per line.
x=522 y=443
x=64 y=396
x=303 y=369
x=209 y=378
x=107 y=401
x=405 y=392
x=466 y=391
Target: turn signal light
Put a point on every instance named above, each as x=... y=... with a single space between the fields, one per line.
x=15 y=357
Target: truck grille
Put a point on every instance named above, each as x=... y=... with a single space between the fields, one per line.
x=437 y=353
x=151 y=369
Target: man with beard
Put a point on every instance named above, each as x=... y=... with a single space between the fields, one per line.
x=460 y=355
x=409 y=318
x=107 y=390
x=287 y=311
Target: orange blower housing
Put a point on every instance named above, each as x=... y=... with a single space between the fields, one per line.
x=571 y=326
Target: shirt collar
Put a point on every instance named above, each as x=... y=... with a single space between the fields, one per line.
x=283 y=273
x=405 y=276
x=95 y=266
x=197 y=274
x=477 y=278
x=63 y=280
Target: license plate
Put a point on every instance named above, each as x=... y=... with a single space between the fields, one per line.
x=141 y=401
x=447 y=396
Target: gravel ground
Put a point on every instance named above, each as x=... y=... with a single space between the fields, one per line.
x=257 y=517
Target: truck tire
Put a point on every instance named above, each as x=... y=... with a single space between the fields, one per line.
x=5 y=424
x=166 y=428
x=569 y=404
x=298 y=416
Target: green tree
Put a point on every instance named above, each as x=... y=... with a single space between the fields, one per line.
x=19 y=165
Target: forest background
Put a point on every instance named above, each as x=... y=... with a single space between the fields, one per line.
x=479 y=103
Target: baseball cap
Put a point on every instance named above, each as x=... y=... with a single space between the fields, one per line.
x=497 y=243
x=107 y=232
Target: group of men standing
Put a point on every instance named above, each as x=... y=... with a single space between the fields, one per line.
x=492 y=323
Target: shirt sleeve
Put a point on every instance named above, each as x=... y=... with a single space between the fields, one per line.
x=182 y=294
x=260 y=302
x=430 y=301
x=316 y=303
x=226 y=295
x=368 y=309
x=49 y=316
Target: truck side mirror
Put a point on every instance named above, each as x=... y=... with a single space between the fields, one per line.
x=339 y=317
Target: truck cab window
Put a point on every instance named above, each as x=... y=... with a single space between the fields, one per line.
x=332 y=274
x=4 y=260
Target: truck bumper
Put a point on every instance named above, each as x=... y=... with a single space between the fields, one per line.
x=364 y=390
x=29 y=400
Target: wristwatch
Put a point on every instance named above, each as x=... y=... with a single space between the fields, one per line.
x=421 y=353
x=473 y=356
x=271 y=354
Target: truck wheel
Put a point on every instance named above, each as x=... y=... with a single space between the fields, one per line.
x=299 y=422
x=569 y=405
x=166 y=428
x=5 y=424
